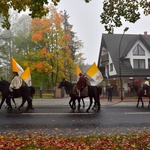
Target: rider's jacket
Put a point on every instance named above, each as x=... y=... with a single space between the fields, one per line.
x=16 y=82
x=147 y=83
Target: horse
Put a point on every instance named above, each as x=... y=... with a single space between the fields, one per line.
x=93 y=92
x=24 y=91
x=140 y=92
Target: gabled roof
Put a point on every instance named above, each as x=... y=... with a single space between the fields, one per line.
x=111 y=43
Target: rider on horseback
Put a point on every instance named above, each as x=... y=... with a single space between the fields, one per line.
x=15 y=84
x=82 y=83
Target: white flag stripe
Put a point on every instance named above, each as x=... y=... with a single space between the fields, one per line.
x=20 y=70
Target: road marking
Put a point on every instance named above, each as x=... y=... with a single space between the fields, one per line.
x=33 y=114
x=137 y=113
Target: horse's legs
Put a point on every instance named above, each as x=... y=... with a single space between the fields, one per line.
x=98 y=103
x=83 y=103
x=72 y=103
x=2 y=101
x=142 y=102
x=14 y=102
x=23 y=101
x=8 y=101
x=91 y=101
x=140 y=99
x=29 y=105
x=137 y=105
x=79 y=105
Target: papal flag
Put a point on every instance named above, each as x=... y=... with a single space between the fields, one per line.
x=78 y=71
x=26 y=76
x=95 y=74
x=16 y=67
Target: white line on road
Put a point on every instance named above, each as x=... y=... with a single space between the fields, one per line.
x=33 y=114
x=137 y=113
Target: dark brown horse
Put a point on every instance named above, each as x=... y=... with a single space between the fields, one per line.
x=93 y=92
x=25 y=92
x=140 y=92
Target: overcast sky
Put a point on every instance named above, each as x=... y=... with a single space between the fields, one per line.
x=85 y=18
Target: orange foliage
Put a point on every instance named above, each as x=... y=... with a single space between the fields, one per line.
x=43 y=51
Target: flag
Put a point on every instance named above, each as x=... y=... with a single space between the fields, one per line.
x=95 y=74
x=78 y=71
x=16 y=67
x=26 y=76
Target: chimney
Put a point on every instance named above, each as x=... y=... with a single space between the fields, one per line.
x=145 y=34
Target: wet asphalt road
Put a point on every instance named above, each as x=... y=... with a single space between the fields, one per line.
x=59 y=119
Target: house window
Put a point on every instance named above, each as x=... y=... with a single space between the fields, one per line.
x=111 y=67
x=139 y=63
x=138 y=51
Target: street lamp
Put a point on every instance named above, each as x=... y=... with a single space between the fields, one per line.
x=121 y=94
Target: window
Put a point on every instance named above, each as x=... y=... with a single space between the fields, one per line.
x=111 y=67
x=139 y=64
x=138 y=51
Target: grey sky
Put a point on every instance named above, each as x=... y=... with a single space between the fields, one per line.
x=85 y=18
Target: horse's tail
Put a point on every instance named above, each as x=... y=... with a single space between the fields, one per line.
x=32 y=91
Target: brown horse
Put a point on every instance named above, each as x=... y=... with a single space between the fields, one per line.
x=140 y=92
x=93 y=92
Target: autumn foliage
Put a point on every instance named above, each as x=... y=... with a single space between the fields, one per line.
x=35 y=141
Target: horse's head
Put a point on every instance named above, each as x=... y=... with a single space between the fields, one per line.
x=131 y=87
x=3 y=84
x=134 y=87
x=62 y=83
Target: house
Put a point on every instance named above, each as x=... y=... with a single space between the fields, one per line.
x=134 y=62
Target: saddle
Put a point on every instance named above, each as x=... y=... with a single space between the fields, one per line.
x=15 y=93
x=80 y=93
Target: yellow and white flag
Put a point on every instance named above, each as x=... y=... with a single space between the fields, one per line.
x=16 y=67
x=78 y=71
x=95 y=74
x=26 y=76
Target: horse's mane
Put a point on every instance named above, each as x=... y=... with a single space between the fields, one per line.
x=134 y=84
x=69 y=87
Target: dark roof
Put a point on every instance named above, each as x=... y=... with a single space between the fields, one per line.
x=111 y=43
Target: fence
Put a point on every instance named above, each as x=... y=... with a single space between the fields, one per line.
x=42 y=92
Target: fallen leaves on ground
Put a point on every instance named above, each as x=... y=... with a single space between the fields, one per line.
x=37 y=141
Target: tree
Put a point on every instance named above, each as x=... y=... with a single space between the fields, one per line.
x=113 y=10
x=54 y=57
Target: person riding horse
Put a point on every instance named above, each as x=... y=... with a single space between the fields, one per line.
x=15 y=84
x=81 y=84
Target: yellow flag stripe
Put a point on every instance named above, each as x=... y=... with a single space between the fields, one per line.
x=14 y=65
x=92 y=70
x=26 y=74
x=78 y=69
